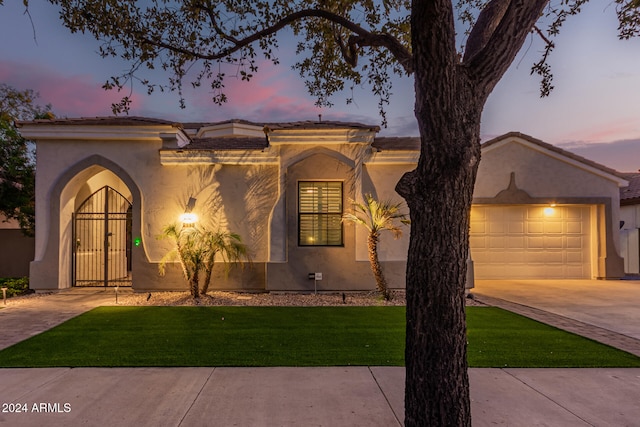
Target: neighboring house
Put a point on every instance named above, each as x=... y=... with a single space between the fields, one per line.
x=106 y=187
x=16 y=249
x=630 y=224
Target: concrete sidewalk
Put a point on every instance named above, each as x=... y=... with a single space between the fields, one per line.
x=332 y=396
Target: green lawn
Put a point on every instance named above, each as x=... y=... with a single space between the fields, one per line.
x=292 y=336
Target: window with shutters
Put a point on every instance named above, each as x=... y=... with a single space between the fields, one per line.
x=320 y=213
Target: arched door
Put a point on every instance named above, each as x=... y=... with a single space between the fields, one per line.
x=102 y=240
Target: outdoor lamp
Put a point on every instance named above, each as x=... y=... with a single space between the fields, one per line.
x=188 y=218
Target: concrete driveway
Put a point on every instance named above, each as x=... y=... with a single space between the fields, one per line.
x=613 y=305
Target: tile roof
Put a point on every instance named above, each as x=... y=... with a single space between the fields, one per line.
x=111 y=121
x=309 y=124
x=631 y=195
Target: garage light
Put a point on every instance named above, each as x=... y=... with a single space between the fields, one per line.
x=549 y=211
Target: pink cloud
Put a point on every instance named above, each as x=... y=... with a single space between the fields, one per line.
x=70 y=95
x=274 y=94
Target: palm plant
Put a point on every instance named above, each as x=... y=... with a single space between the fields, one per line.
x=228 y=246
x=196 y=250
x=377 y=217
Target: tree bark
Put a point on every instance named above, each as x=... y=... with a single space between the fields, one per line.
x=376 y=268
x=450 y=97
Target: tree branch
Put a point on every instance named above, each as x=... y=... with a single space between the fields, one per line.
x=361 y=38
x=497 y=38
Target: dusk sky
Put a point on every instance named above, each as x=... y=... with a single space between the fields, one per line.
x=593 y=110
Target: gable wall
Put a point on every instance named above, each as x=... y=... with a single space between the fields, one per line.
x=538 y=174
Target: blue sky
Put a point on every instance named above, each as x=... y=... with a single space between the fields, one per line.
x=593 y=111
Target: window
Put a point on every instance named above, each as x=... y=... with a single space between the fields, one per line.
x=320 y=213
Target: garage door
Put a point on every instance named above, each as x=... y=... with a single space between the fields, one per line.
x=531 y=242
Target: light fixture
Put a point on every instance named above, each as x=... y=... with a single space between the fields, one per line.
x=550 y=210
x=188 y=218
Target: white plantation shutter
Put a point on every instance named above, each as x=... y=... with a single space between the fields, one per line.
x=320 y=213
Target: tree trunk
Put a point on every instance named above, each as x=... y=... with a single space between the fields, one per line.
x=376 y=268
x=439 y=194
x=450 y=95
x=207 y=277
x=436 y=351
x=194 y=284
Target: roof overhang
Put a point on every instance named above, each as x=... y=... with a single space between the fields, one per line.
x=321 y=136
x=43 y=132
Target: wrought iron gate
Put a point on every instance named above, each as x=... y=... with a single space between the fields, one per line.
x=102 y=240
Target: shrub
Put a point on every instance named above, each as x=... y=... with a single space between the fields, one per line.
x=15 y=286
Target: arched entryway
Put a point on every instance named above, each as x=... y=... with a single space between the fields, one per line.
x=102 y=240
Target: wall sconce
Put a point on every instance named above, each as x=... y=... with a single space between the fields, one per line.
x=188 y=218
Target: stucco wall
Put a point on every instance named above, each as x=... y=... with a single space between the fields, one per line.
x=338 y=265
x=539 y=174
x=381 y=180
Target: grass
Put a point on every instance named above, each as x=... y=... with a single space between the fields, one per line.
x=292 y=336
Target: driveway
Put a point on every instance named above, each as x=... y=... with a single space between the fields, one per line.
x=613 y=305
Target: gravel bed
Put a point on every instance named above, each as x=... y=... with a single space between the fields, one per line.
x=221 y=298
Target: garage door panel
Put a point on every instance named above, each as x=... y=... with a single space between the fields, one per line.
x=574 y=257
x=554 y=227
x=517 y=242
x=574 y=242
x=535 y=242
x=534 y=228
x=524 y=242
x=497 y=242
x=573 y=227
x=551 y=242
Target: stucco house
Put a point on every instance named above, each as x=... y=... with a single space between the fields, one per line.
x=630 y=224
x=106 y=187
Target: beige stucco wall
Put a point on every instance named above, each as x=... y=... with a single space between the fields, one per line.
x=222 y=194
x=539 y=174
x=259 y=201
x=340 y=267
x=380 y=181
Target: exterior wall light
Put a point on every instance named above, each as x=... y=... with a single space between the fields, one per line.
x=188 y=219
x=550 y=210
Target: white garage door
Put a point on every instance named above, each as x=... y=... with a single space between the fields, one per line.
x=531 y=242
